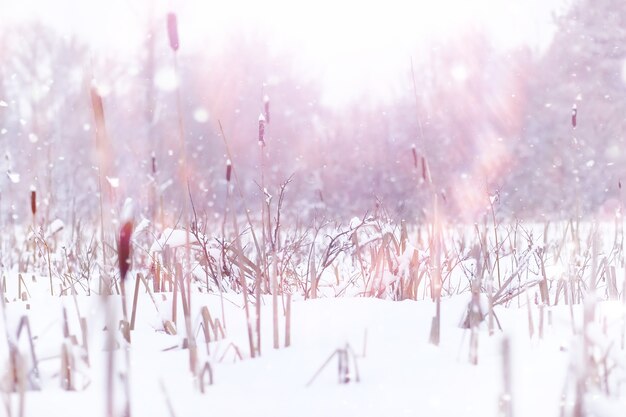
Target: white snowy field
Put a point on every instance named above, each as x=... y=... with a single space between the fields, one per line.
x=400 y=373
x=362 y=345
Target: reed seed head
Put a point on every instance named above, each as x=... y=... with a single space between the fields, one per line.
x=33 y=200
x=124 y=243
x=172 y=31
x=266 y=107
x=262 y=129
x=98 y=108
x=425 y=171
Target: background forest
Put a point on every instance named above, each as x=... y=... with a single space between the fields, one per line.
x=487 y=121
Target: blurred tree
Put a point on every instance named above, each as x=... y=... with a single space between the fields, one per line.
x=47 y=116
x=564 y=170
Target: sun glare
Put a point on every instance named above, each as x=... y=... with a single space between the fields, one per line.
x=356 y=47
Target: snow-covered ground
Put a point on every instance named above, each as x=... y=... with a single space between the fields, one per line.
x=399 y=371
x=361 y=347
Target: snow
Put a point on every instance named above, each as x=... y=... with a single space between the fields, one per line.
x=529 y=319
x=14 y=177
x=400 y=372
x=166 y=79
x=172 y=238
x=201 y=115
x=54 y=227
x=113 y=181
x=128 y=209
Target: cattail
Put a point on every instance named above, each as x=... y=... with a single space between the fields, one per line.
x=229 y=169
x=98 y=108
x=33 y=200
x=261 y=130
x=425 y=171
x=124 y=247
x=172 y=31
x=415 y=159
x=266 y=106
x=574 y=113
x=153 y=163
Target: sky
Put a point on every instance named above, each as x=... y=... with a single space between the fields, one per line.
x=356 y=45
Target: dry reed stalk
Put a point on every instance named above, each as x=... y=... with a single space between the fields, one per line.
x=85 y=338
x=18 y=380
x=541 y=321
x=435 y=329
x=24 y=324
x=33 y=210
x=473 y=352
x=67 y=364
x=213 y=325
x=229 y=170
x=266 y=108
x=531 y=325
x=156 y=283
x=475 y=317
x=124 y=258
x=169 y=327
x=261 y=279
x=240 y=191
x=495 y=235
x=233 y=347
x=312 y=271
x=288 y=321
x=275 y=303
x=585 y=366
x=191 y=340
x=101 y=135
x=168 y=401
x=174 y=303
x=206 y=326
x=343 y=366
x=133 y=314
x=244 y=287
x=543 y=283
x=66 y=326
x=506 y=398
x=172 y=31
x=490 y=313
x=612 y=291
x=207 y=372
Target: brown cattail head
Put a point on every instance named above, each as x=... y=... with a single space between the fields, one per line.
x=98 y=109
x=229 y=168
x=33 y=200
x=266 y=107
x=415 y=159
x=172 y=31
x=123 y=247
x=425 y=171
x=153 y=164
x=574 y=113
x=124 y=243
x=261 y=130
